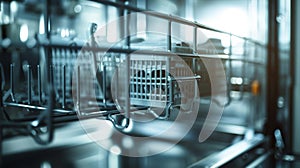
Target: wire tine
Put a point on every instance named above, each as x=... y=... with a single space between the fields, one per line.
x=160 y=79
x=167 y=73
x=29 y=89
x=104 y=84
x=141 y=80
x=51 y=77
x=145 y=80
x=136 y=79
x=195 y=39
x=12 y=85
x=127 y=96
x=155 y=78
x=131 y=80
x=116 y=82
x=169 y=40
x=150 y=87
x=39 y=84
x=78 y=88
x=64 y=86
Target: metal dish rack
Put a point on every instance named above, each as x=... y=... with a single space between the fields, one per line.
x=48 y=99
x=160 y=81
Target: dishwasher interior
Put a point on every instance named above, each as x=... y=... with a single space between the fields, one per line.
x=114 y=84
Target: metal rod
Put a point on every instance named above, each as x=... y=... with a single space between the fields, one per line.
x=194 y=65
x=51 y=72
x=39 y=84
x=141 y=79
x=156 y=53
x=51 y=78
x=127 y=27
x=160 y=79
x=195 y=39
x=61 y=118
x=2 y=77
x=131 y=83
x=135 y=78
x=29 y=88
x=155 y=78
x=169 y=36
x=9 y=124
x=230 y=72
x=146 y=80
x=104 y=84
x=78 y=89
x=170 y=101
x=171 y=18
x=127 y=95
x=116 y=82
x=12 y=85
x=150 y=97
x=186 y=78
x=33 y=107
x=47 y=20
x=64 y=86
x=93 y=30
x=127 y=71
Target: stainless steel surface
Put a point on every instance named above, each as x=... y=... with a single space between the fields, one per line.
x=86 y=72
x=223 y=157
x=77 y=150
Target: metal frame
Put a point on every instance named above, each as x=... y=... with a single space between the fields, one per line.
x=292 y=70
x=272 y=68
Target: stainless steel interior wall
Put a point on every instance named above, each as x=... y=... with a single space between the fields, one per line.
x=296 y=144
